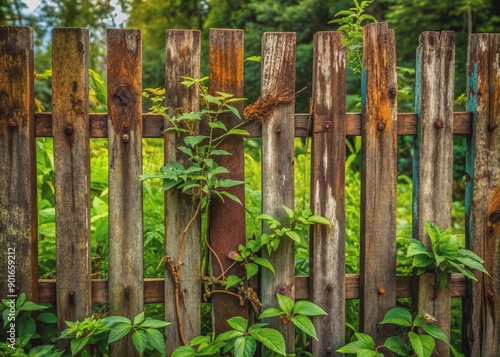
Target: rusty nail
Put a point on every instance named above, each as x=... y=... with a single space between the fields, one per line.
x=328 y=349
x=393 y=91
x=12 y=123
x=125 y=138
x=127 y=294
x=69 y=129
x=381 y=126
x=492 y=126
x=125 y=125
x=327 y=126
x=438 y=124
x=71 y=298
x=381 y=291
x=278 y=131
x=491 y=297
x=329 y=287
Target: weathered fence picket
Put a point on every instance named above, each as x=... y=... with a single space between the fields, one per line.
x=433 y=163
x=182 y=302
x=379 y=124
x=70 y=129
x=126 y=245
x=227 y=219
x=18 y=207
x=378 y=180
x=326 y=283
x=277 y=102
x=482 y=205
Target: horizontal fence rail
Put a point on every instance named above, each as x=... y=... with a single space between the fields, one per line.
x=433 y=125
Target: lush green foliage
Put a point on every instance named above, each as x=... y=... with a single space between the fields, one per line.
x=26 y=335
x=418 y=338
x=446 y=255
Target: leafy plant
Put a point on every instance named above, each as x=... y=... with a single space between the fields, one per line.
x=418 y=338
x=351 y=25
x=446 y=255
x=298 y=313
x=241 y=340
x=102 y=332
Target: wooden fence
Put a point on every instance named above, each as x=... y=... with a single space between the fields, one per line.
x=433 y=124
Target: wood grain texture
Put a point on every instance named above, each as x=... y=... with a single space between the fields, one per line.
x=153 y=125
x=154 y=288
x=182 y=59
x=227 y=219
x=378 y=180
x=126 y=246
x=482 y=309
x=70 y=51
x=278 y=84
x=433 y=163
x=18 y=197
x=327 y=243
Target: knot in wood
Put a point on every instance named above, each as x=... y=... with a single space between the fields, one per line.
x=329 y=287
x=381 y=126
x=125 y=138
x=381 y=291
x=12 y=124
x=393 y=92
x=281 y=289
x=124 y=96
x=329 y=349
x=492 y=126
x=69 y=129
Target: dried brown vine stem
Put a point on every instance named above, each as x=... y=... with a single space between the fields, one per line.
x=265 y=104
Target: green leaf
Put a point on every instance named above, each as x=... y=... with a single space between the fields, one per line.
x=238 y=323
x=139 y=318
x=365 y=342
x=112 y=321
x=253 y=59
x=397 y=316
x=285 y=303
x=271 y=312
x=119 y=331
x=397 y=345
x=232 y=280
x=25 y=325
x=319 y=220
x=229 y=335
x=156 y=340
x=293 y=235
x=229 y=183
x=139 y=339
x=265 y=263
x=220 y=152
x=416 y=247
x=47 y=317
x=251 y=269
x=238 y=132
x=217 y=125
x=431 y=329
x=289 y=212
x=77 y=344
x=308 y=308
x=184 y=351
x=194 y=140
x=153 y=323
x=244 y=346
x=230 y=196
x=20 y=301
x=31 y=306
x=304 y=324
x=422 y=261
x=235 y=112
x=272 y=339
x=40 y=351
x=423 y=345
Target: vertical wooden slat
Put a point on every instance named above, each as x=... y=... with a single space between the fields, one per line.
x=183 y=59
x=433 y=164
x=70 y=128
x=126 y=268
x=378 y=181
x=278 y=131
x=227 y=219
x=482 y=306
x=18 y=197
x=327 y=262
